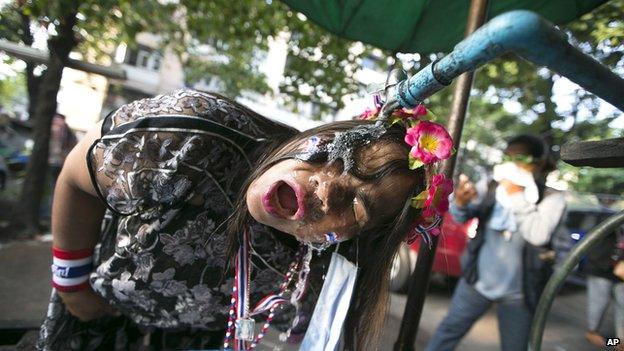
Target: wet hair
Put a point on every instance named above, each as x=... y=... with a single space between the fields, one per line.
x=535 y=145
x=374 y=248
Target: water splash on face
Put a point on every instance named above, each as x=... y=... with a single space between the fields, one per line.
x=299 y=292
x=315 y=150
x=342 y=146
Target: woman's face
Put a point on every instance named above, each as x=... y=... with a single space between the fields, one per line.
x=308 y=200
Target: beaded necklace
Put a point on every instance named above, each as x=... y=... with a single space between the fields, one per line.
x=240 y=327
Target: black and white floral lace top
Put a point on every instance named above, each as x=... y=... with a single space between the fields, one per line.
x=161 y=261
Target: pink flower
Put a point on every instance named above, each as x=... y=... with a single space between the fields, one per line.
x=430 y=142
x=414 y=113
x=420 y=110
x=369 y=113
x=437 y=201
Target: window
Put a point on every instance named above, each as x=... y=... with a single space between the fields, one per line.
x=144 y=57
x=156 y=59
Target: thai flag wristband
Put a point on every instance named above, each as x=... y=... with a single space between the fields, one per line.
x=71 y=269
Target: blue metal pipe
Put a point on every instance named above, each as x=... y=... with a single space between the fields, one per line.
x=525 y=34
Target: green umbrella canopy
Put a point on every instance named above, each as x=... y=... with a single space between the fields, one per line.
x=422 y=26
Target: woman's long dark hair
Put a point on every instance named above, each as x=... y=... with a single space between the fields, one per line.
x=375 y=247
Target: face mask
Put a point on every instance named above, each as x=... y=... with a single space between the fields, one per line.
x=331 y=308
x=516 y=175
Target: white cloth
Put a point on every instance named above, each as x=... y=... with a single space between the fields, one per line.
x=518 y=176
x=331 y=308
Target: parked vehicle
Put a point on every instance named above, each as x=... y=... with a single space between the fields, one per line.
x=579 y=221
x=451 y=245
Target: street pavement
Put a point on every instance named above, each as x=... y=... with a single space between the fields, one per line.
x=25 y=289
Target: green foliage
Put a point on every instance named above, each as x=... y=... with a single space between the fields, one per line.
x=12 y=91
x=601 y=33
x=10 y=23
x=234 y=76
x=235 y=31
x=231 y=35
x=105 y=24
x=595 y=180
x=100 y=26
x=320 y=61
x=319 y=68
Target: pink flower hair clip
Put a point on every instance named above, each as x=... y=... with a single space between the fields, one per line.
x=431 y=143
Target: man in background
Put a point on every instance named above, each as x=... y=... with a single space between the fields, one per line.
x=62 y=140
x=508 y=262
x=605 y=274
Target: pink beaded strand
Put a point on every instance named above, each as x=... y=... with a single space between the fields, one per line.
x=282 y=290
x=269 y=319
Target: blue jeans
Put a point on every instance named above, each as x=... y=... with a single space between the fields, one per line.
x=599 y=293
x=467 y=306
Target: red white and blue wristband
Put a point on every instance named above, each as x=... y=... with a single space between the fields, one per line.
x=71 y=269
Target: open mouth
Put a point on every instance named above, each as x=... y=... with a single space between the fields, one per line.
x=284 y=200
